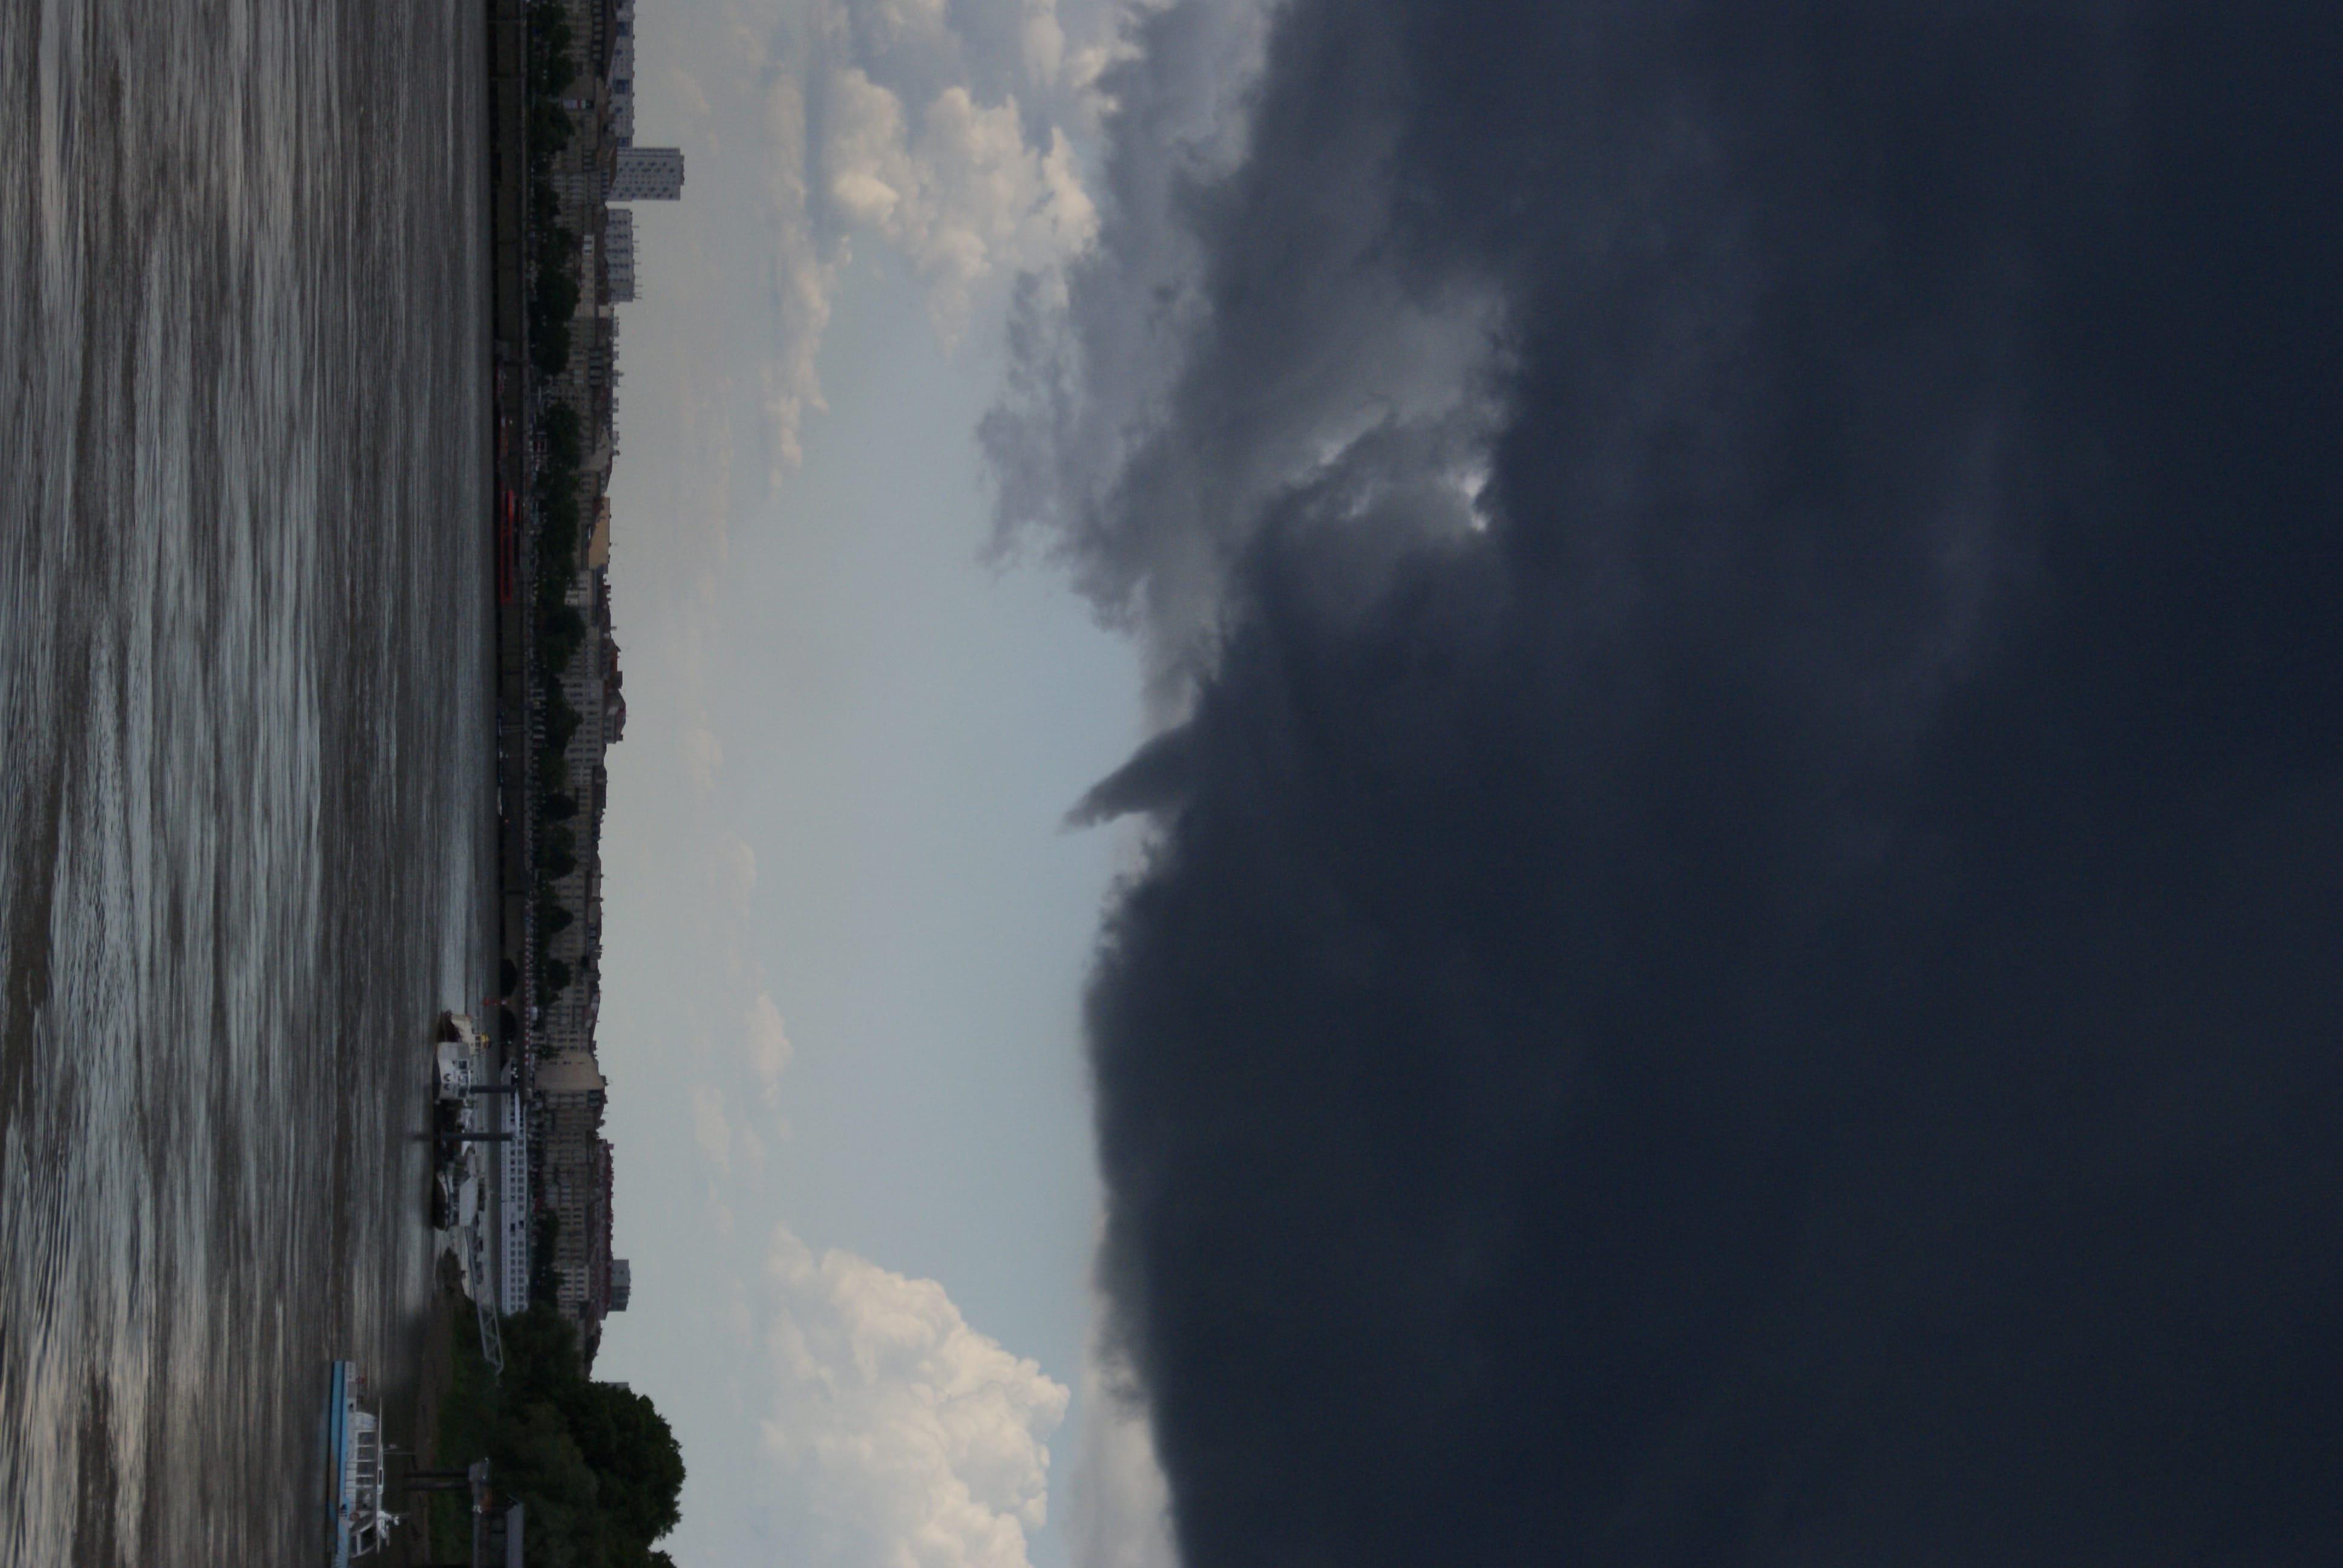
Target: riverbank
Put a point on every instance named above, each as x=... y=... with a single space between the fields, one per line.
x=511 y=506
x=435 y=1382
x=444 y=1429
x=458 y=1434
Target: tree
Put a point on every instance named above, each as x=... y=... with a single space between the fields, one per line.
x=544 y=1286
x=551 y=64
x=557 y=538
x=556 y=293
x=599 y=1461
x=543 y=1468
x=549 y=129
x=548 y=347
x=562 y=720
x=637 y=1461
x=564 y=435
x=541 y=1358
x=560 y=631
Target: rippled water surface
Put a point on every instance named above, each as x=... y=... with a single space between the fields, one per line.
x=246 y=821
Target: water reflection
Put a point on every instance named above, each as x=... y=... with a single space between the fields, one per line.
x=245 y=818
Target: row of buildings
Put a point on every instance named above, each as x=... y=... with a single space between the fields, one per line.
x=570 y=1162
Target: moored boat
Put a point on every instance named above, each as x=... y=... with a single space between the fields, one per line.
x=358 y=1523
x=457 y=1063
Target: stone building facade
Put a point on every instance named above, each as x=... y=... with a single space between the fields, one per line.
x=570 y=1162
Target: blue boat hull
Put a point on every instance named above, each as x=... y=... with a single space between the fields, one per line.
x=338 y=1502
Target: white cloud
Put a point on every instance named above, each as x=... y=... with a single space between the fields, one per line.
x=768 y=1047
x=1118 y=1505
x=732 y=875
x=962 y=196
x=1044 y=38
x=710 y=1128
x=702 y=756
x=945 y=136
x=804 y=269
x=900 y=1435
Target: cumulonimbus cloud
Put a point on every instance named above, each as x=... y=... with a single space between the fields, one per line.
x=961 y=194
x=947 y=132
x=898 y=1436
x=1737 y=963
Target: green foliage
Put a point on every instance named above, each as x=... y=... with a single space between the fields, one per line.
x=552 y=64
x=564 y=434
x=557 y=243
x=557 y=295
x=468 y=1420
x=552 y=67
x=633 y=1453
x=558 y=530
x=550 y=130
x=562 y=629
x=560 y=632
x=537 y=1464
x=557 y=516
x=553 y=978
x=544 y=1288
x=597 y=1466
x=557 y=854
x=548 y=346
x=562 y=720
x=553 y=918
x=559 y=808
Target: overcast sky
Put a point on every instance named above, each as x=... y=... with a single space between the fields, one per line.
x=1696 y=648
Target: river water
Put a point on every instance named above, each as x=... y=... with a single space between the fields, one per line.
x=247 y=826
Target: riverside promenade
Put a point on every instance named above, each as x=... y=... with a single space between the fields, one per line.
x=510 y=510
x=507 y=228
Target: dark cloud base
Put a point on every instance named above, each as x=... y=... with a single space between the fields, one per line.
x=1780 y=1004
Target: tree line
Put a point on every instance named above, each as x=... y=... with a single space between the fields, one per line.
x=560 y=629
x=597 y=1469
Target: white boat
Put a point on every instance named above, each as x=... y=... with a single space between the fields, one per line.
x=451 y=1076
x=355 y=1478
x=456 y=1193
x=458 y=1060
x=468 y=1197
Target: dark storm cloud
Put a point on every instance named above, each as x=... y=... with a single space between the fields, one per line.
x=1743 y=959
x=1154 y=780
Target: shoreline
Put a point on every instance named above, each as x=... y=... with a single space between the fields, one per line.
x=550 y=363
x=435 y=1378
x=512 y=557
x=510 y=563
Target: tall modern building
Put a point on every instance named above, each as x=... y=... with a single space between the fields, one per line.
x=648 y=174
